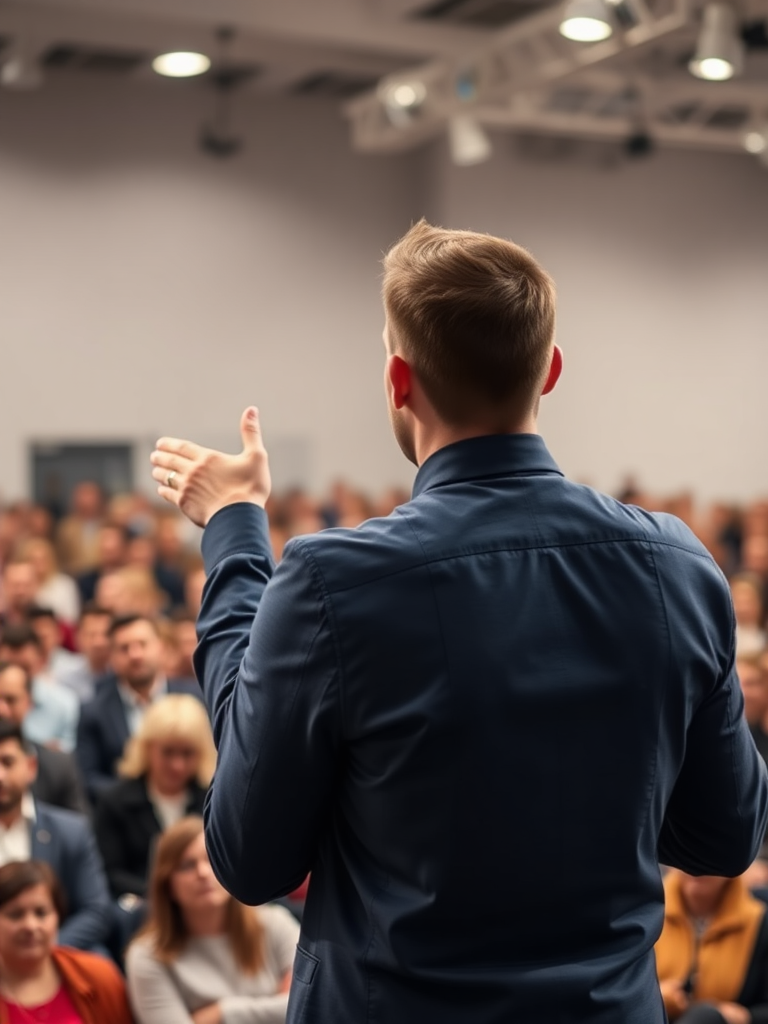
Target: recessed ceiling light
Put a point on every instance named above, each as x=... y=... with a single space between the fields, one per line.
x=181 y=64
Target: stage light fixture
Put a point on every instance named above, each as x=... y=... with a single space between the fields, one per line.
x=403 y=101
x=468 y=141
x=586 y=21
x=181 y=64
x=719 y=51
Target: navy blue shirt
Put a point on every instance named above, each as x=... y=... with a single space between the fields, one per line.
x=480 y=722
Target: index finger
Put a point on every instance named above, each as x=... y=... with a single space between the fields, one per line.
x=176 y=446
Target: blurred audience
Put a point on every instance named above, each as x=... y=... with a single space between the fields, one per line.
x=712 y=956
x=55 y=590
x=92 y=639
x=32 y=830
x=52 y=719
x=203 y=956
x=77 y=533
x=165 y=772
x=39 y=979
x=115 y=713
x=57 y=781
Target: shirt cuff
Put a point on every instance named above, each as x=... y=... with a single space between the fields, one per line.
x=236 y=529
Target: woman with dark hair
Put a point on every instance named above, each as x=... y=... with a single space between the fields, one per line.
x=202 y=957
x=39 y=981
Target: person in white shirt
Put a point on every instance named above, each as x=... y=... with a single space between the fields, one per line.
x=52 y=720
x=55 y=590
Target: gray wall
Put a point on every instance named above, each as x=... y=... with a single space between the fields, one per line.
x=149 y=289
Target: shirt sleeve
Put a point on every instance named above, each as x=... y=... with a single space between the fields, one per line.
x=267 y=663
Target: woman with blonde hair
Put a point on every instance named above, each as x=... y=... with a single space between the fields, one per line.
x=55 y=590
x=165 y=772
x=39 y=980
x=202 y=957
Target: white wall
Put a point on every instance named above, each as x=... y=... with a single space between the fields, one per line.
x=147 y=288
x=662 y=273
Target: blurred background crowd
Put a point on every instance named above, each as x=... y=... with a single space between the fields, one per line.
x=106 y=755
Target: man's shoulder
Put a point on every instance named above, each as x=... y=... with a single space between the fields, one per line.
x=345 y=557
x=60 y=821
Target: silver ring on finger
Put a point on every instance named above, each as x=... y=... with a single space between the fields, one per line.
x=170 y=478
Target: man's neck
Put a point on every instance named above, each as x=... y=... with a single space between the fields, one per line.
x=430 y=438
x=10 y=817
x=143 y=691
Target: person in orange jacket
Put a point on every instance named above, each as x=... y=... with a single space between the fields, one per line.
x=40 y=981
x=712 y=954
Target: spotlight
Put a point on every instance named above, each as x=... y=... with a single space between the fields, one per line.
x=586 y=21
x=403 y=101
x=719 y=51
x=468 y=141
x=181 y=64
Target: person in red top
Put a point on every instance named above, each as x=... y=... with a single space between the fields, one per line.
x=40 y=981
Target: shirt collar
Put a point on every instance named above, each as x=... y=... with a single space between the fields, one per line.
x=487 y=456
x=128 y=694
x=28 y=812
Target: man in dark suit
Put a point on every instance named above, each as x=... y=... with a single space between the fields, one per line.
x=58 y=779
x=114 y=714
x=512 y=681
x=30 y=830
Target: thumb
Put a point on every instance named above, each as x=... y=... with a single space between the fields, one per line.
x=250 y=429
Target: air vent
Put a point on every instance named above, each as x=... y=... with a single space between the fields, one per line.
x=77 y=58
x=728 y=117
x=334 y=84
x=482 y=13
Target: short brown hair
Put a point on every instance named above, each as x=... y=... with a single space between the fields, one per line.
x=165 y=925
x=475 y=317
x=18 y=876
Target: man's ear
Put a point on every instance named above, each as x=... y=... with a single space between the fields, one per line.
x=400 y=378
x=555 y=369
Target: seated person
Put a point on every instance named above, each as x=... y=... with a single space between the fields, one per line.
x=39 y=980
x=114 y=714
x=59 y=662
x=58 y=779
x=203 y=956
x=52 y=720
x=92 y=637
x=712 y=955
x=165 y=772
x=35 y=831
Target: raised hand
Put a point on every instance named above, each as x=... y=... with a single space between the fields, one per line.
x=201 y=481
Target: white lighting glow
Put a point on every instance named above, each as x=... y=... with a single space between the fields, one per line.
x=585 y=30
x=181 y=64
x=756 y=142
x=713 y=69
x=719 y=51
x=468 y=141
x=586 y=21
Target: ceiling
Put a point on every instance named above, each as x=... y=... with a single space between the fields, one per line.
x=517 y=73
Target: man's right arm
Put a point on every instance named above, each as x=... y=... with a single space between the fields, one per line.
x=716 y=816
